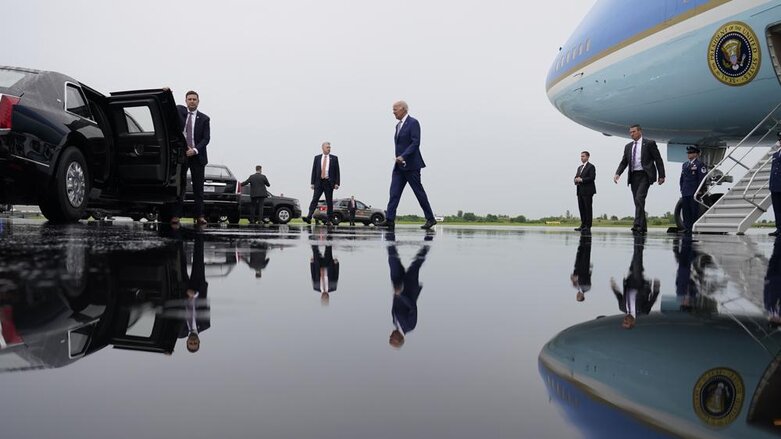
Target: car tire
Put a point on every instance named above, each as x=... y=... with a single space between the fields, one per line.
x=336 y=218
x=377 y=219
x=70 y=188
x=151 y=216
x=221 y=219
x=283 y=215
x=98 y=215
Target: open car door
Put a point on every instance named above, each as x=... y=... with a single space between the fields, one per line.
x=149 y=144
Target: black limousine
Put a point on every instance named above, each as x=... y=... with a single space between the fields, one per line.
x=65 y=146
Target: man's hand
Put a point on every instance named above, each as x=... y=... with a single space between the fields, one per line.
x=336 y=186
x=578 y=180
x=661 y=180
x=190 y=152
x=615 y=178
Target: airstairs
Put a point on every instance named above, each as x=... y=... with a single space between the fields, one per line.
x=738 y=209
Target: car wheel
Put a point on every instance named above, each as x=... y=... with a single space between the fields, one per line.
x=377 y=219
x=283 y=215
x=151 y=216
x=98 y=215
x=336 y=218
x=222 y=219
x=70 y=188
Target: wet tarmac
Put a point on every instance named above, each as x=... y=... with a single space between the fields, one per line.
x=135 y=330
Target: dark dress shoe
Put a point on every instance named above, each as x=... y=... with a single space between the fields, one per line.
x=578 y=229
x=776 y=233
x=429 y=224
x=306 y=219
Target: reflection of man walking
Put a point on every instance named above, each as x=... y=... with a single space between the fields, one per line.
x=639 y=294
x=581 y=274
x=325 y=272
x=407 y=167
x=585 y=190
x=406 y=289
x=642 y=158
x=325 y=179
x=258 y=193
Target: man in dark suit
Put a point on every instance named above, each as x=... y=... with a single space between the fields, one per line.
x=775 y=186
x=258 y=194
x=642 y=158
x=692 y=172
x=407 y=166
x=581 y=274
x=351 y=208
x=325 y=272
x=197 y=133
x=639 y=294
x=585 y=190
x=406 y=289
x=258 y=259
x=325 y=179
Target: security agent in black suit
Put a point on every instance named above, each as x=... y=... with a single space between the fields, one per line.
x=639 y=294
x=325 y=272
x=585 y=189
x=642 y=158
x=406 y=289
x=775 y=186
x=258 y=259
x=325 y=179
x=258 y=193
x=581 y=274
x=197 y=133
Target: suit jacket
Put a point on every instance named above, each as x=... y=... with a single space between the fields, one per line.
x=408 y=145
x=324 y=261
x=588 y=172
x=583 y=263
x=202 y=132
x=258 y=183
x=197 y=281
x=333 y=170
x=650 y=159
x=647 y=290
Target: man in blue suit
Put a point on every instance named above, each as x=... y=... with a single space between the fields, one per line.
x=408 y=164
x=775 y=186
x=197 y=133
x=325 y=179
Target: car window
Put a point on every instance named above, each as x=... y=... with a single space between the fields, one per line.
x=10 y=77
x=359 y=205
x=75 y=102
x=139 y=119
x=217 y=172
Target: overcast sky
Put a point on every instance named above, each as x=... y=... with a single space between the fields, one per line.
x=278 y=78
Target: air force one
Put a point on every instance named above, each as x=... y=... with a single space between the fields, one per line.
x=691 y=72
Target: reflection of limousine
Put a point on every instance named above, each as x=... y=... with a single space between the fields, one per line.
x=363 y=213
x=81 y=302
x=64 y=146
x=684 y=374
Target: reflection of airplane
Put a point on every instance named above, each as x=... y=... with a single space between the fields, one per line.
x=678 y=373
x=79 y=302
x=696 y=72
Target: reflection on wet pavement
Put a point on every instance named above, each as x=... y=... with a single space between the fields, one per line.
x=284 y=332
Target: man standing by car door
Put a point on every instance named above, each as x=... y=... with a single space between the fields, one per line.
x=197 y=133
x=258 y=193
x=325 y=178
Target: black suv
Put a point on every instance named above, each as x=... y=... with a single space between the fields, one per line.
x=279 y=209
x=220 y=195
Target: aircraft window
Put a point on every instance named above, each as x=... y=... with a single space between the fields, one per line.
x=580 y=49
x=588 y=44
